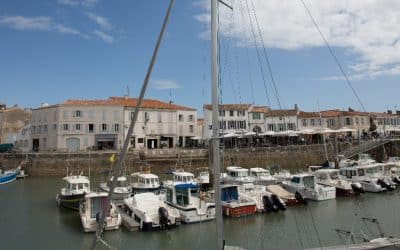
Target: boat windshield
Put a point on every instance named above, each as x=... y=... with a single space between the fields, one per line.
x=322 y=176
x=122 y=183
x=308 y=181
x=373 y=170
x=360 y=172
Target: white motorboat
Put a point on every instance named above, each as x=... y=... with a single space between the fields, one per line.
x=237 y=175
x=181 y=177
x=91 y=209
x=282 y=175
x=261 y=176
x=235 y=205
x=394 y=163
x=145 y=182
x=151 y=212
x=369 y=176
x=76 y=186
x=265 y=201
x=122 y=189
x=192 y=205
x=331 y=178
x=203 y=178
x=305 y=184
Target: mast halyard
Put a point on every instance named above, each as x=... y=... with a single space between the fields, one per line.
x=215 y=124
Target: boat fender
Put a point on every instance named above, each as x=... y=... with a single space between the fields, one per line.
x=163 y=217
x=278 y=202
x=300 y=198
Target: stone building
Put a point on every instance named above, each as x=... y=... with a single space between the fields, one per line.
x=11 y=121
x=103 y=124
x=281 y=119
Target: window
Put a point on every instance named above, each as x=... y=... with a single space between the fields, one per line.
x=347 y=121
x=295 y=179
x=33 y=129
x=39 y=129
x=77 y=113
x=230 y=112
x=78 y=127
x=271 y=127
x=91 y=127
x=190 y=118
x=65 y=114
x=65 y=127
x=242 y=124
x=222 y=113
x=222 y=124
x=180 y=118
x=256 y=116
x=103 y=127
x=331 y=122
x=281 y=127
x=280 y=118
x=357 y=120
x=55 y=127
x=241 y=113
x=231 y=125
x=44 y=128
x=116 y=127
x=312 y=122
x=304 y=122
x=146 y=117
x=159 y=116
x=291 y=126
x=190 y=128
x=132 y=115
x=320 y=122
x=140 y=140
x=182 y=197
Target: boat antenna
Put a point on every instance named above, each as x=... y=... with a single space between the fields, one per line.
x=121 y=157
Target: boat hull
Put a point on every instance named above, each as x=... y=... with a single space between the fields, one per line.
x=70 y=201
x=239 y=211
x=345 y=192
x=7 y=178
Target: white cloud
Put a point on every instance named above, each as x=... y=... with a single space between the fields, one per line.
x=85 y=3
x=103 y=36
x=368 y=29
x=99 y=20
x=165 y=84
x=37 y=24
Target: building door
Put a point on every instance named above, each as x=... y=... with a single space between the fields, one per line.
x=35 y=145
x=152 y=143
x=73 y=144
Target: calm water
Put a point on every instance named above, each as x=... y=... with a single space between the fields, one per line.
x=30 y=219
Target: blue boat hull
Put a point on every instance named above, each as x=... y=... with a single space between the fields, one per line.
x=8 y=177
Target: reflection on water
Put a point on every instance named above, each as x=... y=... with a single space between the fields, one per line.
x=31 y=219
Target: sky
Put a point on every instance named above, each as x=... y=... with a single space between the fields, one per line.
x=53 y=50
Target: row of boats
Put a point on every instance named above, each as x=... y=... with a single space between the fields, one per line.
x=12 y=175
x=184 y=198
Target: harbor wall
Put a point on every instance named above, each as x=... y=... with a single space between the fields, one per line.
x=294 y=158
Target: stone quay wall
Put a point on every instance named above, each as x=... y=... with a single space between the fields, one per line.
x=293 y=158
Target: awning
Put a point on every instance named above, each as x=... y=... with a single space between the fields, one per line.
x=196 y=138
x=344 y=129
x=186 y=186
x=268 y=133
x=250 y=134
x=230 y=135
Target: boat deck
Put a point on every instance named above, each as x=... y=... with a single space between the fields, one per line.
x=128 y=222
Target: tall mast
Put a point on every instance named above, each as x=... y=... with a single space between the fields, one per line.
x=215 y=124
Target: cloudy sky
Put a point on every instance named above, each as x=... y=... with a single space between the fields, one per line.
x=52 y=50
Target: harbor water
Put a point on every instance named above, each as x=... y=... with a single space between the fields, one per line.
x=30 y=219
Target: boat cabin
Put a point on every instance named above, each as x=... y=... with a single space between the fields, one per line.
x=259 y=172
x=303 y=180
x=181 y=194
x=76 y=184
x=95 y=203
x=237 y=172
x=229 y=193
x=183 y=177
x=122 y=181
x=361 y=171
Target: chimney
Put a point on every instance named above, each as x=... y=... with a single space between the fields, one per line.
x=351 y=110
x=389 y=112
x=296 y=107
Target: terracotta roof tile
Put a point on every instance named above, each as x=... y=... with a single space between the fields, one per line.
x=259 y=109
x=129 y=102
x=303 y=114
x=229 y=106
x=282 y=112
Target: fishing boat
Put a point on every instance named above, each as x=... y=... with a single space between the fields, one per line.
x=265 y=201
x=261 y=176
x=391 y=168
x=145 y=182
x=305 y=184
x=181 y=177
x=151 y=212
x=369 y=176
x=91 y=209
x=76 y=186
x=122 y=189
x=332 y=178
x=235 y=205
x=191 y=204
x=237 y=175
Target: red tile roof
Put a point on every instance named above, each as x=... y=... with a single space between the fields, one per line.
x=282 y=112
x=303 y=114
x=259 y=109
x=229 y=106
x=129 y=102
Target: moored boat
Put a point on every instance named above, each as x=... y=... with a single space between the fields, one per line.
x=288 y=197
x=145 y=182
x=91 y=209
x=76 y=186
x=192 y=205
x=331 y=178
x=151 y=212
x=121 y=190
x=261 y=176
x=234 y=205
x=265 y=201
x=237 y=175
